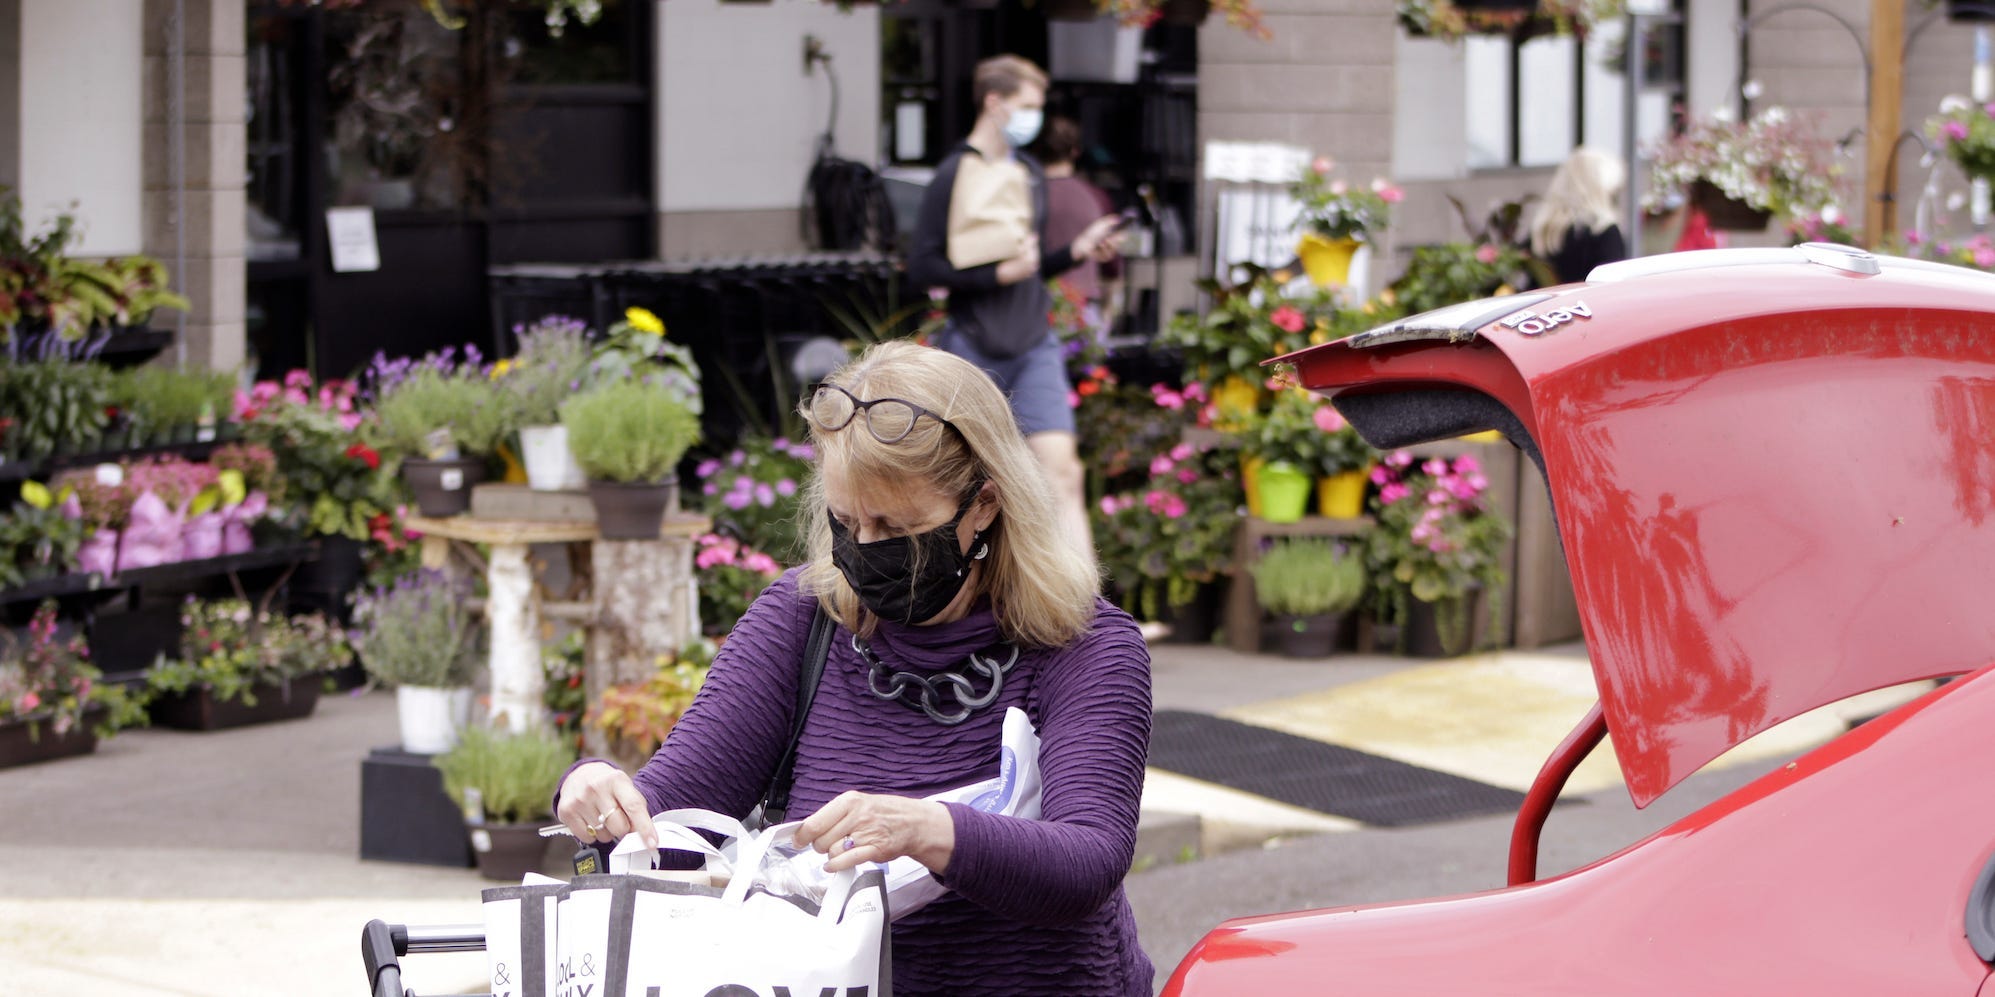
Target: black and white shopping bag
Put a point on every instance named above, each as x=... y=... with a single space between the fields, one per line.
x=520 y=945
x=780 y=923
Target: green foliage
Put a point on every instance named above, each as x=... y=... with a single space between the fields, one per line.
x=48 y=679
x=1302 y=428
x=636 y=716
x=161 y=399
x=42 y=287
x=515 y=774
x=637 y=348
x=231 y=648
x=754 y=494
x=1251 y=320
x=1453 y=272
x=1435 y=539
x=54 y=403
x=563 y=691
x=333 y=484
x=1308 y=577
x=1777 y=161
x=419 y=631
x=37 y=542
x=462 y=401
x=1161 y=540
x=551 y=366
x=630 y=431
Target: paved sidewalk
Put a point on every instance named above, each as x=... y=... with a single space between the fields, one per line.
x=226 y=863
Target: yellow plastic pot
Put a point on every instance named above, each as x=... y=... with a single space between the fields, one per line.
x=1342 y=496
x=1250 y=482
x=1236 y=399
x=1327 y=261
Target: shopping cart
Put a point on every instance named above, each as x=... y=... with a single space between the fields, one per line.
x=382 y=945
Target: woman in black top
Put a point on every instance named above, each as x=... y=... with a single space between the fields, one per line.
x=1575 y=225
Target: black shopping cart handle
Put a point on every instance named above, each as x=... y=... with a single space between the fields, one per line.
x=382 y=944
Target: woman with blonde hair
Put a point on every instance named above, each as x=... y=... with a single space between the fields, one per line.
x=1576 y=226
x=937 y=555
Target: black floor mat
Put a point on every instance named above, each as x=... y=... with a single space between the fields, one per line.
x=1314 y=775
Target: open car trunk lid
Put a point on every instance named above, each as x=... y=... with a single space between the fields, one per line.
x=1773 y=472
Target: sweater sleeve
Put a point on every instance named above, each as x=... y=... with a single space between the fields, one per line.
x=928 y=250
x=1094 y=730
x=720 y=754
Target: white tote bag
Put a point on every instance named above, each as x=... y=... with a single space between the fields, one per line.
x=634 y=934
x=520 y=944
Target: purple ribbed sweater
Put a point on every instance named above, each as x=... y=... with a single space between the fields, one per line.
x=1037 y=906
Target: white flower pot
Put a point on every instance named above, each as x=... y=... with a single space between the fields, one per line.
x=431 y=717
x=550 y=465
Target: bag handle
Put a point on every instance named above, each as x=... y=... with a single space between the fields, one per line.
x=748 y=870
x=775 y=805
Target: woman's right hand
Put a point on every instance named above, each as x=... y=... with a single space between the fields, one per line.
x=599 y=802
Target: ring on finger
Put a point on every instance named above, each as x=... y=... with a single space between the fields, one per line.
x=847 y=845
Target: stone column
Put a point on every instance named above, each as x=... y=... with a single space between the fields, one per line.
x=205 y=222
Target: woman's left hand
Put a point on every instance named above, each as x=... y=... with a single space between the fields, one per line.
x=868 y=827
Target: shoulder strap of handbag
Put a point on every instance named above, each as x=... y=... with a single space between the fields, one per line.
x=775 y=806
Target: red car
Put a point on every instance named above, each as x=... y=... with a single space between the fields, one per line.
x=1774 y=477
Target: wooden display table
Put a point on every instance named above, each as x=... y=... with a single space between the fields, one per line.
x=642 y=602
x=1243 y=610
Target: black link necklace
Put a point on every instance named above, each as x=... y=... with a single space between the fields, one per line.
x=949 y=697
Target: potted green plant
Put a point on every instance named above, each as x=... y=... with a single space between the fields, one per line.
x=418 y=635
x=1336 y=217
x=1310 y=586
x=1742 y=173
x=51 y=703
x=504 y=784
x=57 y=405
x=40 y=537
x=629 y=436
x=1966 y=131
x=174 y=406
x=1436 y=550
x=443 y=421
x=552 y=365
x=242 y=664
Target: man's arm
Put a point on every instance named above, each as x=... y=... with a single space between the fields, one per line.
x=928 y=252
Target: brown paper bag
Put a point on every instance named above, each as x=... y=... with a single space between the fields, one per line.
x=990 y=211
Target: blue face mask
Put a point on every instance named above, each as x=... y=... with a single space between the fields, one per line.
x=1023 y=126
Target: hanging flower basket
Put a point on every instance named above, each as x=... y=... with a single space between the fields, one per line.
x=1970 y=11
x=1728 y=213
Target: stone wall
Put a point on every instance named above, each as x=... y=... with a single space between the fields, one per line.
x=205 y=221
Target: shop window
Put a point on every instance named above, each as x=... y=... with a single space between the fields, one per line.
x=1530 y=102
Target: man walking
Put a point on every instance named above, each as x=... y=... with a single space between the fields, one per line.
x=978 y=236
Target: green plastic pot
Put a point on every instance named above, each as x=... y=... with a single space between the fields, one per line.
x=1284 y=492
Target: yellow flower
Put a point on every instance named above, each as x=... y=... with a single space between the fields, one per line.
x=1388 y=297
x=1503 y=290
x=36 y=494
x=643 y=321
x=1319 y=337
x=502 y=368
x=1282 y=276
x=1369 y=308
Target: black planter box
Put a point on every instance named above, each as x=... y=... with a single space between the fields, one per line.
x=24 y=743
x=201 y=709
x=405 y=816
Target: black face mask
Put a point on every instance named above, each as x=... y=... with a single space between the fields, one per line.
x=908 y=579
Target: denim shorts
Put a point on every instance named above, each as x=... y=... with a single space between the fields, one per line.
x=1035 y=381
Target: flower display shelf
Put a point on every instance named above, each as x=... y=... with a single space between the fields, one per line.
x=1243 y=610
x=274 y=556
x=200 y=709
x=22 y=744
x=54 y=587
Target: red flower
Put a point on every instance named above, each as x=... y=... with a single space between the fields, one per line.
x=1287 y=318
x=1088 y=388
x=366 y=454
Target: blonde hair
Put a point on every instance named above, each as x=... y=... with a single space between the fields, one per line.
x=1003 y=75
x=1041 y=586
x=1584 y=193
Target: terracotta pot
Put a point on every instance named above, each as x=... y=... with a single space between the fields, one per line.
x=443 y=487
x=632 y=511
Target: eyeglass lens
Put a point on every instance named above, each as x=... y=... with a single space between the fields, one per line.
x=888 y=419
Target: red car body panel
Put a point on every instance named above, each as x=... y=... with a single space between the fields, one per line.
x=1774 y=478
x=1846 y=872
x=1775 y=484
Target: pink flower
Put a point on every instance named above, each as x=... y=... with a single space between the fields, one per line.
x=1166 y=398
x=1437 y=496
x=1327 y=419
x=298 y=379
x=1073 y=399
x=1380 y=475
x=1339 y=188
x=786 y=487
x=1485 y=253
x=1392 y=493
x=1161 y=465
x=761 y=564
x=1195 y=392
x=1186 y=475
x=28 y=701
x=1435 y=466
x=1287 y=318
x=1154 y=501
x=1182 y=451
x=1956 y=130
x=765 y=495
x=1467 y=464
x=1173 y=507
x=1984 y=257
x=1391 y=195
x=1108 y=505
x=1322 y=164
x=1398 y=458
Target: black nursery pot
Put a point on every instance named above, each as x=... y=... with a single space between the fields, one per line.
x=443 y=487
x=633 y=511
